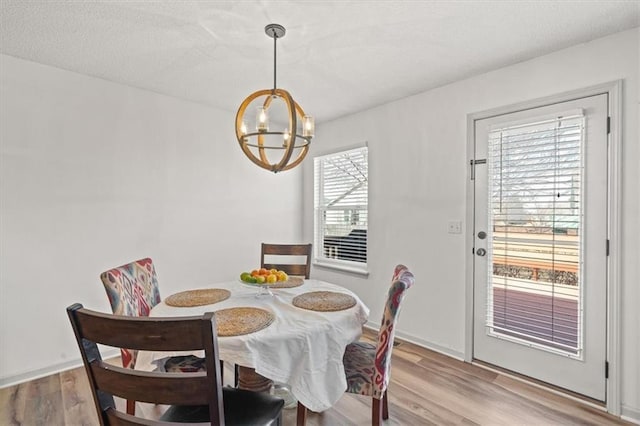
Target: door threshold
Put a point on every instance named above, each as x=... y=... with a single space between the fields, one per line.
x=600 y=405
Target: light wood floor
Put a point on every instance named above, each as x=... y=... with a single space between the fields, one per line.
x=426 y=388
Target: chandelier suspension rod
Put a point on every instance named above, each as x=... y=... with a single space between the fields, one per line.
x=275 y=39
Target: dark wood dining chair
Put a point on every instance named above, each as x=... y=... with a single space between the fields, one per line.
x=368 y=366
x=133 y=290
x=194 y=397
x=282 y=256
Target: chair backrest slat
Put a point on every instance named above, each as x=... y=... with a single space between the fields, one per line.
x=300 y=270
x=140 y=333
x=168 y=334
x=158 y=388
x=117 y=418
x=278 y=250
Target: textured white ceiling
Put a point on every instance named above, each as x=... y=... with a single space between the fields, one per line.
x=338 y=57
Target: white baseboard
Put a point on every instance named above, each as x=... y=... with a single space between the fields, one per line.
x=52 y=369
x=630 y=414
x=421 y=342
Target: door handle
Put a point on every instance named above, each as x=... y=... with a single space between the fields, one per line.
x=481 y=252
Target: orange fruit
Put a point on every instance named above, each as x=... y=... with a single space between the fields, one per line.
x=263 y=271
x=255 y=273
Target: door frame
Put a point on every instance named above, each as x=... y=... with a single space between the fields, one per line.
x=614 y=91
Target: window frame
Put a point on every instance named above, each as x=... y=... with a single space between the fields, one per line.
x=319 y=229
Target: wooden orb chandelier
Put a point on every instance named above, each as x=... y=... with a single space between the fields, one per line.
x=278 y=137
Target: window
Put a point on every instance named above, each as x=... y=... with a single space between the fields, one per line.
x=341 y=209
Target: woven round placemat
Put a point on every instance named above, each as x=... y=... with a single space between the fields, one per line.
x=244 y=320
x=189 y=298
x=289 y=283
x=324 y=301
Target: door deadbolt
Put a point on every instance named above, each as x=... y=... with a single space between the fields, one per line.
x=482 y=235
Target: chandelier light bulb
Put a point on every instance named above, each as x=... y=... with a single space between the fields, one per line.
x=262 y=120
x=308 y=126
x=286 y=138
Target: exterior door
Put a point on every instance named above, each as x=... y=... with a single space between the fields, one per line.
x=540 y=243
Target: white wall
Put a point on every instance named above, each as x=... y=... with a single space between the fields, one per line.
x=418 y=179
x=95 y=174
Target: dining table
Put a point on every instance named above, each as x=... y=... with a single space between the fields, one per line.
x=301 y=347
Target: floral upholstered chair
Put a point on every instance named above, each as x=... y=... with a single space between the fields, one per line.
x=367 y=366
x=132 y=290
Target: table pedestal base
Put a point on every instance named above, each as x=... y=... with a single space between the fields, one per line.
x=250 y=380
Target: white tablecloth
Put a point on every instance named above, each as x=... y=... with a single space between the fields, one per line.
x=301 y=348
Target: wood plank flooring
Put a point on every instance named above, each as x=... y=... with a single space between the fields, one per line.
x=427 y=388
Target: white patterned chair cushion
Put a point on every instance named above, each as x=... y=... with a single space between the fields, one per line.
x=132 y=290
x=367 y=366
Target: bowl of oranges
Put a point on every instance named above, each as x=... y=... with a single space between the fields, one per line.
x=264 y=277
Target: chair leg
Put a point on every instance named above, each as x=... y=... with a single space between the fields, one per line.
x=131 y=407
x=385 y=407
x=376 y=412
x=302 y=415
x=236 y=375
x=278 y=421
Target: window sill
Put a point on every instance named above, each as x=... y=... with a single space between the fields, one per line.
x=343 y=268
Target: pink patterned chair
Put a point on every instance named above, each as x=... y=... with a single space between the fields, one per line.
x=367 y=366
x=132 y=290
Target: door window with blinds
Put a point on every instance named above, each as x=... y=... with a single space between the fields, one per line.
x=341 y=208
x=535 y=212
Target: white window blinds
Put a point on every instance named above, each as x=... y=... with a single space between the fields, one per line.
x=341 y=207
x=535 y=206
